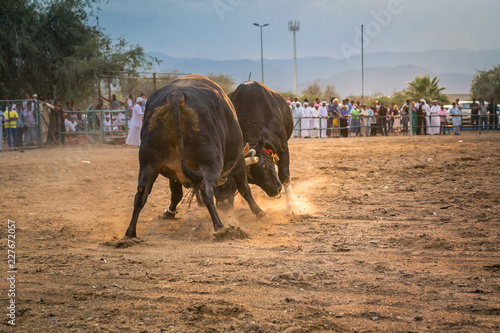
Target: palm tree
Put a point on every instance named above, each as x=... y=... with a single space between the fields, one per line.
x=427 y=88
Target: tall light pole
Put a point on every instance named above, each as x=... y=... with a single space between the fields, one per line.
x=294 y=26
x=362 y=68
x=261 y=49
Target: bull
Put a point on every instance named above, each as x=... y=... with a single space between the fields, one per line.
x=190 y=135
x=266 y=122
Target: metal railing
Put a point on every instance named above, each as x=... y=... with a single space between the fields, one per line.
x=19 y=133
x=417 y=125
x=93 y=124
x=50 y=126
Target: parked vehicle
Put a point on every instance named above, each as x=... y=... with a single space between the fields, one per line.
x=466 y=112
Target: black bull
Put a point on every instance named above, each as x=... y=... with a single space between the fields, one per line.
x=190 y=135
x=266 y=121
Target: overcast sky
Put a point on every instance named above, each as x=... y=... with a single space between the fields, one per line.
x=223 y=29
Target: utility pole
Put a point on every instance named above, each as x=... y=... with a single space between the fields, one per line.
x=362 y=69
x=294 y=26
x=261 y=49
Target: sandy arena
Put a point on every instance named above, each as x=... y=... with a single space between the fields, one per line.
x=394 y=235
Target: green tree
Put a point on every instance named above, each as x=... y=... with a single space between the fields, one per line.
x=427 y=88
x=226 y=82
x=486 y=84
x=50 y=46
x=287 y=94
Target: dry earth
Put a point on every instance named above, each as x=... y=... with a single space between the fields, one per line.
x=394 y=235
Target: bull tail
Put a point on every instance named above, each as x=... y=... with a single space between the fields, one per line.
x=177 y=100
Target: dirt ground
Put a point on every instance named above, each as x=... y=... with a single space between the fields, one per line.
x=393 y=235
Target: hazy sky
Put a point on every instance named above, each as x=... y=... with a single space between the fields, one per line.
x=223 y=29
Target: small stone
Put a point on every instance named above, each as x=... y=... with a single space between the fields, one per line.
x=115 y=285
x=374 y=318
x=272 y=278
x=373 y=242
x=418 y=318
x=40 y=300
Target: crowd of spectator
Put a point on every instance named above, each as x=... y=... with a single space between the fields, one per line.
x=320 y=119
x=37 y=120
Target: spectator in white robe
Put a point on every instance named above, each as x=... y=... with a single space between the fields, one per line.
x=365 y=121
x=135 y=124
x=304 y=122
x=434 y=118
x=70 y=123
x=427 y=111
x=456 y=115
x=107 y=123
x=314 y=121
x=323 y=113
x=297 y=114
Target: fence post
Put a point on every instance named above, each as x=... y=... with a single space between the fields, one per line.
x=101 y=113
x=39 y=122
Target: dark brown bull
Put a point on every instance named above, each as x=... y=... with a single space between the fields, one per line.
x=191 y=136
x=266 y=121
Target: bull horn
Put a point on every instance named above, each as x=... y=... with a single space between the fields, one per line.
x=246 y=148
x=251 y=160
x=252 y=151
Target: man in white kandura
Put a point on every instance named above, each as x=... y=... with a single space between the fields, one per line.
x=434 y=118
x=304 y=122
x=323 y=113
x=135 y=124
x=427 y=112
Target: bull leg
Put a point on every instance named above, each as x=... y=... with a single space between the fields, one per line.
x=147 y=177
x=240 y=178
x=207 y=195
x=284 y=176
x=175 y=198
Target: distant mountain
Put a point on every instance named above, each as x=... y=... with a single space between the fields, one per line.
x=384 y=71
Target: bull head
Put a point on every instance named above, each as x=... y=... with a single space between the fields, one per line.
x=263 y=172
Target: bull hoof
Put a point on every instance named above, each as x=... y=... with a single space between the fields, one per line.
x=230 y=233
x=293 y=207
x=127 y=242
x=219 y=227
x=168 y=216
x=260 y=215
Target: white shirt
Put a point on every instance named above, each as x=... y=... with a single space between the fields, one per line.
x=70 y=125
x=323 y=111
x=435 y=109
x=120 y=119
x=107 y=124
x=130 y=104
x=137 y=116
x=426 y=109
x=308 y=112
